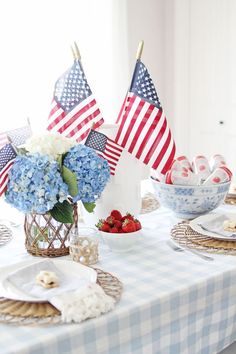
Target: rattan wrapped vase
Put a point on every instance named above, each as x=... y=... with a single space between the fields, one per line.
x=47 y=237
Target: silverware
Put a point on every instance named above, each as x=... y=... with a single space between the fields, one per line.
x=182 y=249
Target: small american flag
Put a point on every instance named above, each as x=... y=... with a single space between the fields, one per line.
x=74 y=110
x=143 y=128
x=16 y=136
x=7 y=158
x=3 y=139
x=105 y=148
x=19 y=136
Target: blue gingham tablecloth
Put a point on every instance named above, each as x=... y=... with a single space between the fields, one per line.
x=172 y=303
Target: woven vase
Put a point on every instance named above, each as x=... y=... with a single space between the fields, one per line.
x=47 y=237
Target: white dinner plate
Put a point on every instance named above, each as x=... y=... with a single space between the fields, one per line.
x=194 y=224
x=70 y=268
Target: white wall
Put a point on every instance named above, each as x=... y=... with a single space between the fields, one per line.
x=205 y=77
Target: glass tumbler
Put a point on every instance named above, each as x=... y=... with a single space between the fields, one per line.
x=84 y=246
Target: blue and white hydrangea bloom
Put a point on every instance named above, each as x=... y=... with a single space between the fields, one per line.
x=35 y=184
x=92 y=172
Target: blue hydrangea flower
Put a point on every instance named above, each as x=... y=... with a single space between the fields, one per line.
x=35 y=184
x=92 y=172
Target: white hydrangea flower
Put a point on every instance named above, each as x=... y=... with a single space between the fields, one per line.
x=49 y=144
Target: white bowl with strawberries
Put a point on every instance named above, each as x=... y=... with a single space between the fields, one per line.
x=120 y=232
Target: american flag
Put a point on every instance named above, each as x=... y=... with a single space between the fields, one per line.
x=143 y=128
x=3 y=139
x=16 y=136
x=19 y=136
x=74 y=109
x=105 y=147
x=7 y=158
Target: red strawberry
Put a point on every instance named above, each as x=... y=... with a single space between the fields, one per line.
x=118 y=224
x=137 y=224
x=128 y=226
x=110 y=220
x=102 y=225
x=117 y=215
x=128 y=216
x=114 y=230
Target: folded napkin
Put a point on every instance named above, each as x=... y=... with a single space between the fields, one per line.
x=215 y=225
x=87 y=303
x=24 y=280
x=77 y=298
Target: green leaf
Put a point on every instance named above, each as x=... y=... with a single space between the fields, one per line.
x=21 y=151
x=89 y=206
x=63 y=212
x=70 y=178
x=59 y=160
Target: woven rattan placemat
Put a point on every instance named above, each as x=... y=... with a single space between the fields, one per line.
x=5 y=234
x=186 y=236
x=29 y=313
x=230 y=199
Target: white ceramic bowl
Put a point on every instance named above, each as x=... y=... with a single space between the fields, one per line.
x=121 y=242
x=189 y=202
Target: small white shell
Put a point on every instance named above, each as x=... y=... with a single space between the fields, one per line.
x=229 y=225
x=47 y=279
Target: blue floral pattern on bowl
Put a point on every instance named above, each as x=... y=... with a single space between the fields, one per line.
x=188 y=202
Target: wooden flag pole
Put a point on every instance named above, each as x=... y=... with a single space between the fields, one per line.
x=138 y=57
x=140 y=50
x=75 y=52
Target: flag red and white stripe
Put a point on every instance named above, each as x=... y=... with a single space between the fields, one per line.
x=77 y=123
x=4 y=176
x=143 y=129
x=105 y=147
x=145 y=133
x=112 y=154
x=123 y=108
x=7 y=158
x=74 y=110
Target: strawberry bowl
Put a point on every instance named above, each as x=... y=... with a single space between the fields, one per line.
x=121 y=242
x=120 y=232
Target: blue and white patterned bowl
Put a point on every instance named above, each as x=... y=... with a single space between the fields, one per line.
x=189 y=202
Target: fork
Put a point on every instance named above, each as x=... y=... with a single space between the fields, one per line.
x=182 y=249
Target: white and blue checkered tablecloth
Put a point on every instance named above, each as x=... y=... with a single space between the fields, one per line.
x=172 y=303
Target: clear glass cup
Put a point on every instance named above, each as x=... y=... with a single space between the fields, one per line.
x=83 y=245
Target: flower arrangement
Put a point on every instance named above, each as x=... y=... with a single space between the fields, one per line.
x=53 y=172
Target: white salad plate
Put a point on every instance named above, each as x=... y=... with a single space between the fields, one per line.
x=195 y=225
x=67 y=267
